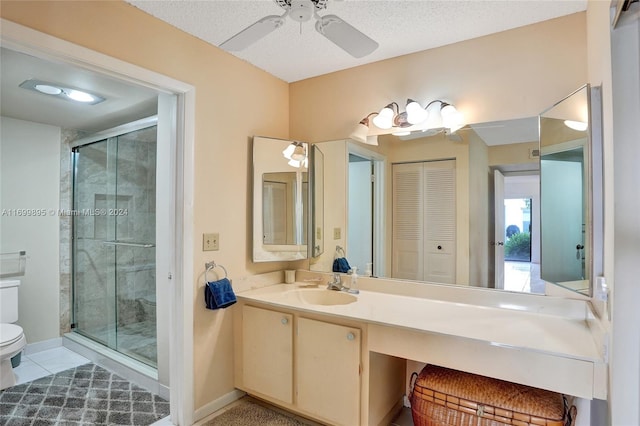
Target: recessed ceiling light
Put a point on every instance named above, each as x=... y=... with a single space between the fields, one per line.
x=48 y=90
x=62 y=92
x=79 y=95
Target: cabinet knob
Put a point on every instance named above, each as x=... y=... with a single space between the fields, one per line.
x=284 y=321
x=351 y=336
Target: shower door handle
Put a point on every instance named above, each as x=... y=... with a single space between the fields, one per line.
x=121 y=243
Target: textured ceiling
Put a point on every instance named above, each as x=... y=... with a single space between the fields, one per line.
x=295 y=52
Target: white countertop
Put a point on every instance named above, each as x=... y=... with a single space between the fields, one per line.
x=507 y=326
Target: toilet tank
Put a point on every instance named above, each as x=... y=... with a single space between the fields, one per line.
x=9 y=300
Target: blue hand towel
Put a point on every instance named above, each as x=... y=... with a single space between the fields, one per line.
x=219 y=294
x=341 y=265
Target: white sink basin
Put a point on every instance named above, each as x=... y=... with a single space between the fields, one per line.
x=319 y=296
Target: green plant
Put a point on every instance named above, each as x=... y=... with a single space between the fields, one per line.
x=518 y=247
x=511 y=230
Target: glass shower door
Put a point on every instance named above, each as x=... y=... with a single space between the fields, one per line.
x=114 y=243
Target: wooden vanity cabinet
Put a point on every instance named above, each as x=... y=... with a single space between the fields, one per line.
x=267 y=352
x=328 y=371
x=324 y=381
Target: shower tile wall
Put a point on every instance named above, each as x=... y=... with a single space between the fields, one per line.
x=122 y=305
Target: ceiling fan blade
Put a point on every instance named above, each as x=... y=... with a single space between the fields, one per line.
x=345 y=36
x=253 y=33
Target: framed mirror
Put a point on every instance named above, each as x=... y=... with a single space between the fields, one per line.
x=280 y=199
x=571 y=188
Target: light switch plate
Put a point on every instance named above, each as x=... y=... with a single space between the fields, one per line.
x=210 y=242
x=336 y=233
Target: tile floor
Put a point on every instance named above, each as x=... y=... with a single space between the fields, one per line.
x=46 y=362
x=523 y=277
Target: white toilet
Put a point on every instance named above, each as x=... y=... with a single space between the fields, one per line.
x=12 y=339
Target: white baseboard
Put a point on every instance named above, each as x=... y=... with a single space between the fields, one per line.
x=43 y=345
x=215 y=405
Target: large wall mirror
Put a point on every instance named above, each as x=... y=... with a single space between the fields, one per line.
x=468 y=208
x=280 y=199
x=422 y=207
x=570 y=159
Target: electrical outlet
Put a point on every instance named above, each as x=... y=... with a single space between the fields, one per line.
x=210 y=242
x=336 y=233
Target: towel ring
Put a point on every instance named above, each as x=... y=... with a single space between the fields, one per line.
x=210 y=266
x=340 y=251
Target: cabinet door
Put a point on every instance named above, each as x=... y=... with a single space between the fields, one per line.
x=267 y=352
x=328 y=371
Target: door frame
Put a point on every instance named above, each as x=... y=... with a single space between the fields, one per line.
x=379 y=210
x=181 y=277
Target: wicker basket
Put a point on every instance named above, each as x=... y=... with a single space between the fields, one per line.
x=445 y=397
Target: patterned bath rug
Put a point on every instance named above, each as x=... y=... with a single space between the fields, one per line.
x=85 y=395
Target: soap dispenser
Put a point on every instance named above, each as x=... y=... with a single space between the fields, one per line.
x=353 y=288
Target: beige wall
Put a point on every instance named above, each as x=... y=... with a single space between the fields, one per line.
x=512 y=74
x=223 y=84
x=508 y=75
x=30 y=177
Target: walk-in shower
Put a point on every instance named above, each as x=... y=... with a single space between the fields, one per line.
x=114 y=239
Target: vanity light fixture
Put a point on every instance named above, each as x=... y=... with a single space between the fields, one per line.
x=62 y=92
x=580 y=126
x=296 y=153
x=437 y=115
x=360 y=133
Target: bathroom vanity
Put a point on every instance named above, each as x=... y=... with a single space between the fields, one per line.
x=342 y=359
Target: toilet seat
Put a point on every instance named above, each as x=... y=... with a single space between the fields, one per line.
x=9 y=334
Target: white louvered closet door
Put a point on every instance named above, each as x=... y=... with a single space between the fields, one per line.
x=424 y=221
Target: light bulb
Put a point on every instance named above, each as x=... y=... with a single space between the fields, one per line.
x=79 y=96
x=48 y=89
x=288 y=151
x=384 y=119
x=298 y=153
x=415 y=113
x=451 y=118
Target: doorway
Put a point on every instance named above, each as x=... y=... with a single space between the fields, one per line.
x=366 y=211
x=520 y=233
x=177 y=135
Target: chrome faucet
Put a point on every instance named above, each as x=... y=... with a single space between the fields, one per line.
x=335 y=283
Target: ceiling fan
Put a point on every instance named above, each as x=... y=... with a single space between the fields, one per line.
x=332 y=27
